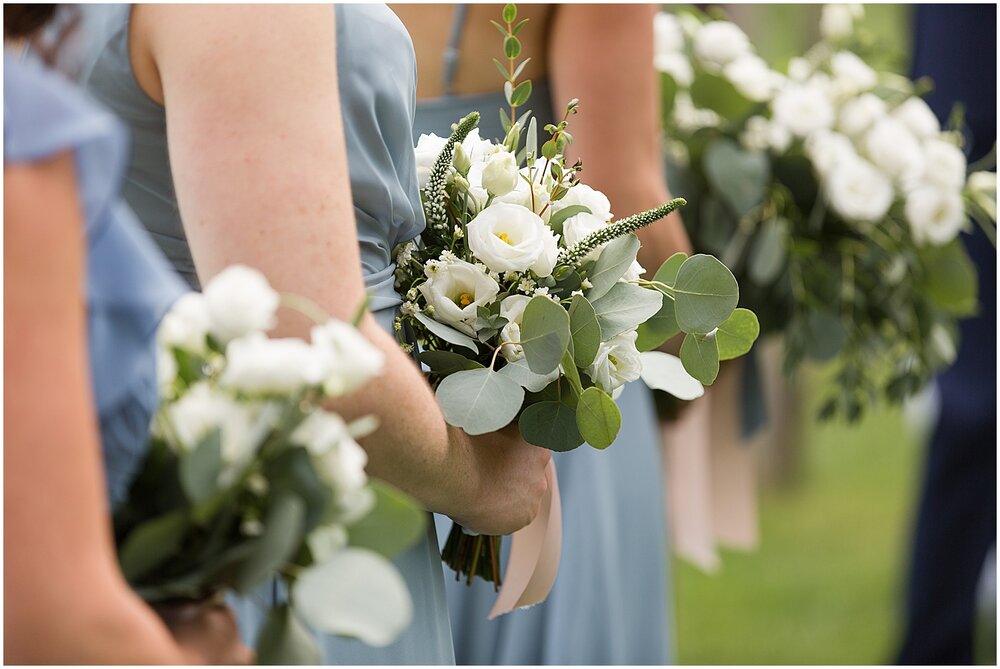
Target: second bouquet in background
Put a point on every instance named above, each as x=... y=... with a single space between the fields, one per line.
x=527 y=302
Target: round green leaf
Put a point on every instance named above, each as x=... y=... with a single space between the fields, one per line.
x=551 y=425
x=518 y=372
x=447 y=362
x=612 y=264
x=662 y=371
x=521 y=93
x=509 y=12
x=151 y=544
x=700 y=355
x=951 y=280
x=545 y=334
x=281 y=538
x=740 y=177
x=737 y=335
x=584 y=330
x=768 y=252
x=558 y=218
x=625 y=307
x=447 y=333
x=658 y=329
x=479 y=400
x=393 y=525
x=706 y=294
x=667 y=273
x=598 y=418
x=284 y=640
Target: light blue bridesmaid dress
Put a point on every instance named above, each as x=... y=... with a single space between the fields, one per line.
x=377 y=80
x=610 y=603
x=129 y=285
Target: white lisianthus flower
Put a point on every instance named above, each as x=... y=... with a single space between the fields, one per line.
x=584 y=195
x=720 y=42
x=617 y=362
x=944 y=165
x=577 y=228
x=826 y=148
x=257 y=364
x=936 y=216
x=348 y=358
x=803 y=108
x=455 y=291
x=186 y=325
x=204 y=408
x=858 y=191
x=859 y=114
x=477 y=148
x=982 y=188
x=851 y=74
x=668 y=36
x=429 y=147
x=509 y=238
x=751 y=76
x=534 y=197
x=837 y=20
x=500 y=173
x=512 y=308
x=634 y=272
x=676 y=65
x=240 y=301
x=894 y=149
x=918 y=118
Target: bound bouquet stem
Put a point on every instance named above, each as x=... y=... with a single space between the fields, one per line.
x=527 y=302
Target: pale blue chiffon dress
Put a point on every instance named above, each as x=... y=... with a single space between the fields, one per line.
x=611 y=602
x=129 y=285
x=377 y=80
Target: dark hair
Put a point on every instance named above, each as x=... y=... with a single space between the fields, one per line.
x=23 y=21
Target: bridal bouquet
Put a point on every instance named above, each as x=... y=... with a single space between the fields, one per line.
x=526 y=300
x=833 y=193
x=248 y=476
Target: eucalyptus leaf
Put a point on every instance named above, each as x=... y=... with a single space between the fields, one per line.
x=662 y=371
x=951 y=280
x=545 y=334
x=700 y=356
x=284 y=640
x=740 y=177
x=200 y=467
x=655 y=332
x=561 y=216
x=447 y=362
x=281 y=538
x=826 y=335
x=584 y=330
x=392 y=526
x=521 y=94
x=736 y=336
x=294 y=472
x=717 y=93
x=518 y=372
x=572 y=374
x=598 y=418
x=624 y=307
x=612 y=264
x=551 y=425
x=768 y=252
x=151 y=544
x=479 y=400
x=667 y=274
x=706 y=294
x=447 y=333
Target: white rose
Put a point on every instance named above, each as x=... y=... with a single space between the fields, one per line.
x=918 y=118
x=751 y=76
x=509 y=238
x=720 y=42
x=676 y=65
x=240 y=301
x=203 y=409
x=851 y=74
x=257 y=364
x=668 y=36
x=859 y=114
x=428 y=149
x=617 y=362
x=500 y=173
x=512 y=308
x=825 y=149
x=894 y=149
x=349 y=359
x=186 y=325
x=837 y=21
x=456 y=290
x=858 y=191
x=584 y=195
x=944 y=165
x=935 y=215
x=802 y=108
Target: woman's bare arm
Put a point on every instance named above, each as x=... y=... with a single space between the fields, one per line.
x=258 y=156
x=65 y=600
x=617 y=132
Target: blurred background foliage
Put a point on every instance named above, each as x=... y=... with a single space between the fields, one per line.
x=826 y=584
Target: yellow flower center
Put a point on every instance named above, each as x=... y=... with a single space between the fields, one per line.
x=464 y=300
x=613 y=360
x=504 y=238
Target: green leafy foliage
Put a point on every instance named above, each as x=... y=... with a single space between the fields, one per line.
x=736 y=336
x=551 y=425
x=624 y=307
x=598 y=418
x=394 y=524
x=479 y=400
x=545 y=334
x=285 y=640
x=585 y=330
x=739 y=176
x=700 y=356
x=706 y=294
